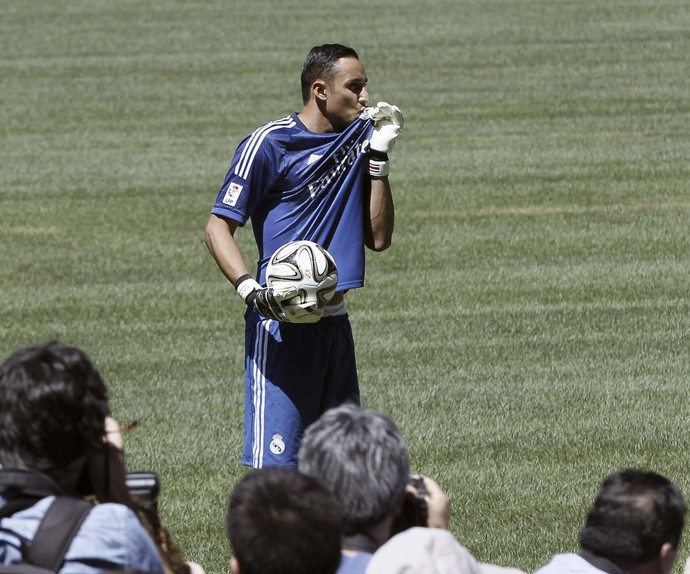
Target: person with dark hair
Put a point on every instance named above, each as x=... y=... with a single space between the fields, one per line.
x=361 y=457
x=322 y=63
x=634 y=527
x=318 y=175
x=57 y=440
x=280 y=521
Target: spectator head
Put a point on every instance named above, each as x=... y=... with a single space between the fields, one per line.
x=637 y=518
x=53 y=405
x=361 y=457
x=281 y=521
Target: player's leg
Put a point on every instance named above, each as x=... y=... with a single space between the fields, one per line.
x=284 y=374
x=341 y=383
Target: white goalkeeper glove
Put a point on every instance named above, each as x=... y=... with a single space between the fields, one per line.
x=264 y=300
x=268 y=302
x=388 y=123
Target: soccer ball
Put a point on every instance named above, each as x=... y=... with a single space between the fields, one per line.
x=309 y=268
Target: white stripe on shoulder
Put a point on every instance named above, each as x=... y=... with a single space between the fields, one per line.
x=249 y=152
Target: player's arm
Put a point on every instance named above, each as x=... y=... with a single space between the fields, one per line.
x=220 y=240
x=379 y=208
x=379 y=217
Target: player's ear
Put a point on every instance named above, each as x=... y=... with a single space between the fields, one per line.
x=319 y=88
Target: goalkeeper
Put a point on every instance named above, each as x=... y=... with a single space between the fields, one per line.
x=321 y=175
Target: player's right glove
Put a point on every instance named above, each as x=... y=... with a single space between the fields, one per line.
x=264 y=300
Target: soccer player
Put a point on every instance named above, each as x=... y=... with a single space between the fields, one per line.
x=319 y=175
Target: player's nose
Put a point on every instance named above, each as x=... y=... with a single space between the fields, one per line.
x=364 y=97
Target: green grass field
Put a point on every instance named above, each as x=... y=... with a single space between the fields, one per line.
x=530 y=328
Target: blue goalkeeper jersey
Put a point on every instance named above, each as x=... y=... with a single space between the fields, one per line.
x=298 y=185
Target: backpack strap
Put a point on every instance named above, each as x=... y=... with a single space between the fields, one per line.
x=23 y=568
x=14 y=505
x=24 y=488
x=56 y=532
x=29 y=482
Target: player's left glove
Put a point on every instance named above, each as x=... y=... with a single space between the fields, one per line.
x=264 y=300
x=388 y=123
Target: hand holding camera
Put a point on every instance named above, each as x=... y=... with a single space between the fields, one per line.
x=424 y=504
x=438 y=504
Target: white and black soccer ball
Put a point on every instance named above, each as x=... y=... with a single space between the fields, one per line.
x=306 y=266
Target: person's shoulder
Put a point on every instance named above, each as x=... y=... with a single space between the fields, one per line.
x=117 y=522
x=568 y=563
x=112 y=515
x=276 y=127
x=115 y=534
x=354 y=563
x=270 y=135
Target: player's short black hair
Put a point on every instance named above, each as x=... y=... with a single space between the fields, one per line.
x=320 y=64
x=280 y=520
x=53 y=405
x=635 y=513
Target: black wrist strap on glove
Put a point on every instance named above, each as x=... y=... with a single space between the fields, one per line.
x=240 y=281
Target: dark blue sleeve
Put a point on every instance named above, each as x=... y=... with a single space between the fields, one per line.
x=254 y=169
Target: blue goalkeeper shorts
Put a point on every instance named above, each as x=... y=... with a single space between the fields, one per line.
x=293 y=373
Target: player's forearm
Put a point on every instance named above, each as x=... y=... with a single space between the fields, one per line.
x=380 y=216
x=224 y=249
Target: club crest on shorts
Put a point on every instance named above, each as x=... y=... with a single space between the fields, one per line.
x=277 y=445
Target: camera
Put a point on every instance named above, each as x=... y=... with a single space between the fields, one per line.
x=414 y=510
x=144 y=485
